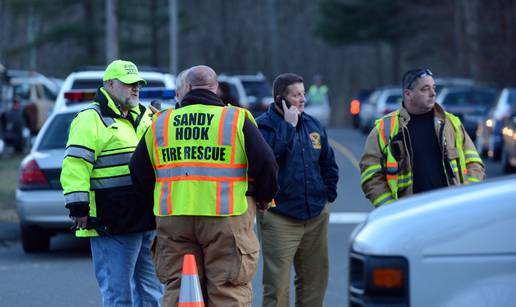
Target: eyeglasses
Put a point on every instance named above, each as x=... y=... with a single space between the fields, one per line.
x=419 y=74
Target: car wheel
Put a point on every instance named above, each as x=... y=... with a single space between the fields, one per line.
x=34 y=239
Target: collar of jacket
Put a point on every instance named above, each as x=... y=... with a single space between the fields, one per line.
x=110 y=109
x=405 y=116
x=201 y=96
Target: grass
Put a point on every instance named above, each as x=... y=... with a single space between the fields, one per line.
x=8 y=180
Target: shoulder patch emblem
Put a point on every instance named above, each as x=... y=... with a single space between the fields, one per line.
x=316 y=140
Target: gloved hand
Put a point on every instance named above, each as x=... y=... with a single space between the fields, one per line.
x=291 y=115
x=80 y=222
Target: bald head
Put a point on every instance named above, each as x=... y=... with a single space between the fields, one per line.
x=202 y=77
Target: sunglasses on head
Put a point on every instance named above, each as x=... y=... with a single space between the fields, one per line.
x=418 y=74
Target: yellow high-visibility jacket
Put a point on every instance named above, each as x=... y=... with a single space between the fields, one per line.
x=95 y=174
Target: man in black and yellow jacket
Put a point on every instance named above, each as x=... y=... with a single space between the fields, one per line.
x=99 y=193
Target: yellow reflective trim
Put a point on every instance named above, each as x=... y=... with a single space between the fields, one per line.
x=403 y=176
x=470 y=152
x=86 y=233
x=472 y=179
x=474 y=160
x=385 y=198
x=369 y=172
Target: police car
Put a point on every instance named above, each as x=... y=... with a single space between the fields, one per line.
x=451 y=247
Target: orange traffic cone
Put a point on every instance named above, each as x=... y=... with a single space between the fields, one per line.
x=190 y=294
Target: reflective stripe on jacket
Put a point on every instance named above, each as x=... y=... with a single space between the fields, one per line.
x=385 y=178
x=198 y=154
x=95 y=168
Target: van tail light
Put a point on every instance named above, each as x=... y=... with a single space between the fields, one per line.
x=31 y=176
x=378 y=279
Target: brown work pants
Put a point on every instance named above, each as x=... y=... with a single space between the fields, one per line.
x=226 y=252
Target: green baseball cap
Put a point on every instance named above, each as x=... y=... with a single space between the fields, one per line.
x=124 y=71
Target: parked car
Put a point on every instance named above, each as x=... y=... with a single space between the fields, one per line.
x=258 y=91
x=509 y=144
x=252 y=92
x=357 y=100
x=90 y=78
x=469 y=103
x=444 y=82
x=232 y=91
x=382 y=101
x=450 y=247
x=489 y=131
x=23 y=116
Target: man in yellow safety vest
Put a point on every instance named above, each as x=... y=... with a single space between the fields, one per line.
x=194 y=165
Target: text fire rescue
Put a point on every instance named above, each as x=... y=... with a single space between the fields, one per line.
x=190 y=127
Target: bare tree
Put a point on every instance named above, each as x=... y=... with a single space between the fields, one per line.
x=111 y=31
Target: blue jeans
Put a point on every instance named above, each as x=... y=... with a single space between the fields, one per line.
x=124 y=270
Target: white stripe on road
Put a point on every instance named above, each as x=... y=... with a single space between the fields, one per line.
x=347 y=217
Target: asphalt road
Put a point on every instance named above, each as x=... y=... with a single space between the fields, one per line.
x=64 y=275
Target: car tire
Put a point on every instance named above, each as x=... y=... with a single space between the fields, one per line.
x=34 y=239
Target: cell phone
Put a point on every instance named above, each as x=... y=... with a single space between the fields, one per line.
x=279 y=102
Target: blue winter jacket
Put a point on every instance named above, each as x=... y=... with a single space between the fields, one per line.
x=308 y=173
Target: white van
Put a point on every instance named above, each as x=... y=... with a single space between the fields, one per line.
x=451 y=247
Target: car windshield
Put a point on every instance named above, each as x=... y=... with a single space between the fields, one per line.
x=258 y=89
x=56 y=134
x=484 y=98
x=394 y=99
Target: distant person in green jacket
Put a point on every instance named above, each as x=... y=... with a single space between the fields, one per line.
x=318 y=92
